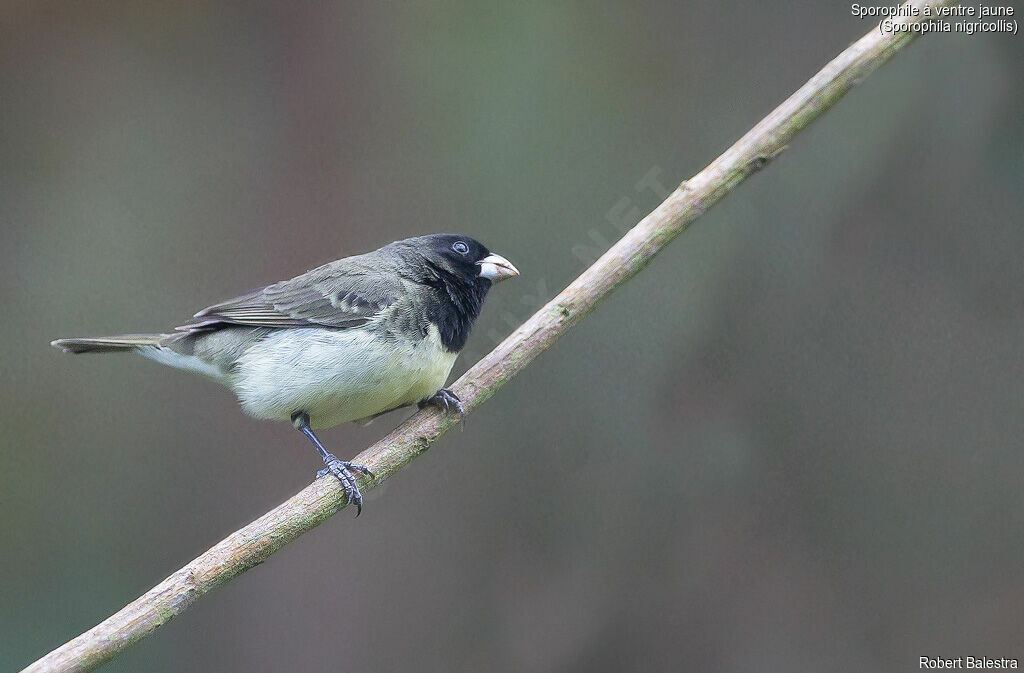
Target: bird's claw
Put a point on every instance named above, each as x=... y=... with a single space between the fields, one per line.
x=447 y=401
x=345 y=472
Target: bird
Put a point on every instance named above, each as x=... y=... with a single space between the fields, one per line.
x=347 y=341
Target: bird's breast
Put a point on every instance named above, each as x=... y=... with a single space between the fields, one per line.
x=338 y=375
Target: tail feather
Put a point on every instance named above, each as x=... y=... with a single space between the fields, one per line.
x=109 y=344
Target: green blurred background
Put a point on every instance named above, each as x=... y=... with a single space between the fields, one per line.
x=793 y=443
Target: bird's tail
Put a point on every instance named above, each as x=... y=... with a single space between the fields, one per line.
x=109 y=344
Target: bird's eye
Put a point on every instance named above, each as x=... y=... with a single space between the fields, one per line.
x=460 y=247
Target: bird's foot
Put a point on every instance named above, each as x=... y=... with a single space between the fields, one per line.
x=447 y=401
x=345 y=472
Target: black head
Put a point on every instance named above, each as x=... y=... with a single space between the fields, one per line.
x=454 y=253
x=462 y=256
x=462 y=270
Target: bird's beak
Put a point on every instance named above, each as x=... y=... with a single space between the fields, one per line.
x=496 y=268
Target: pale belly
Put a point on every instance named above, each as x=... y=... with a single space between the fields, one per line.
x=336 y=375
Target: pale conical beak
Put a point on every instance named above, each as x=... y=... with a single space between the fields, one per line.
x=496 y=268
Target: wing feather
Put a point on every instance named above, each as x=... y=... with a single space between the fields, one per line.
x=346 y=293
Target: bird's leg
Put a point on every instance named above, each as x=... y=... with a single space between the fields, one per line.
x=342 y=469
x=447 y=401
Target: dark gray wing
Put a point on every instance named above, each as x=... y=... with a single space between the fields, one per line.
x=346 y=293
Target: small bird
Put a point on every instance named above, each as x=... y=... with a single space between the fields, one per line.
x=347 y=341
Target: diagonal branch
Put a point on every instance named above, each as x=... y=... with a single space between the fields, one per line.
x=254 y=543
